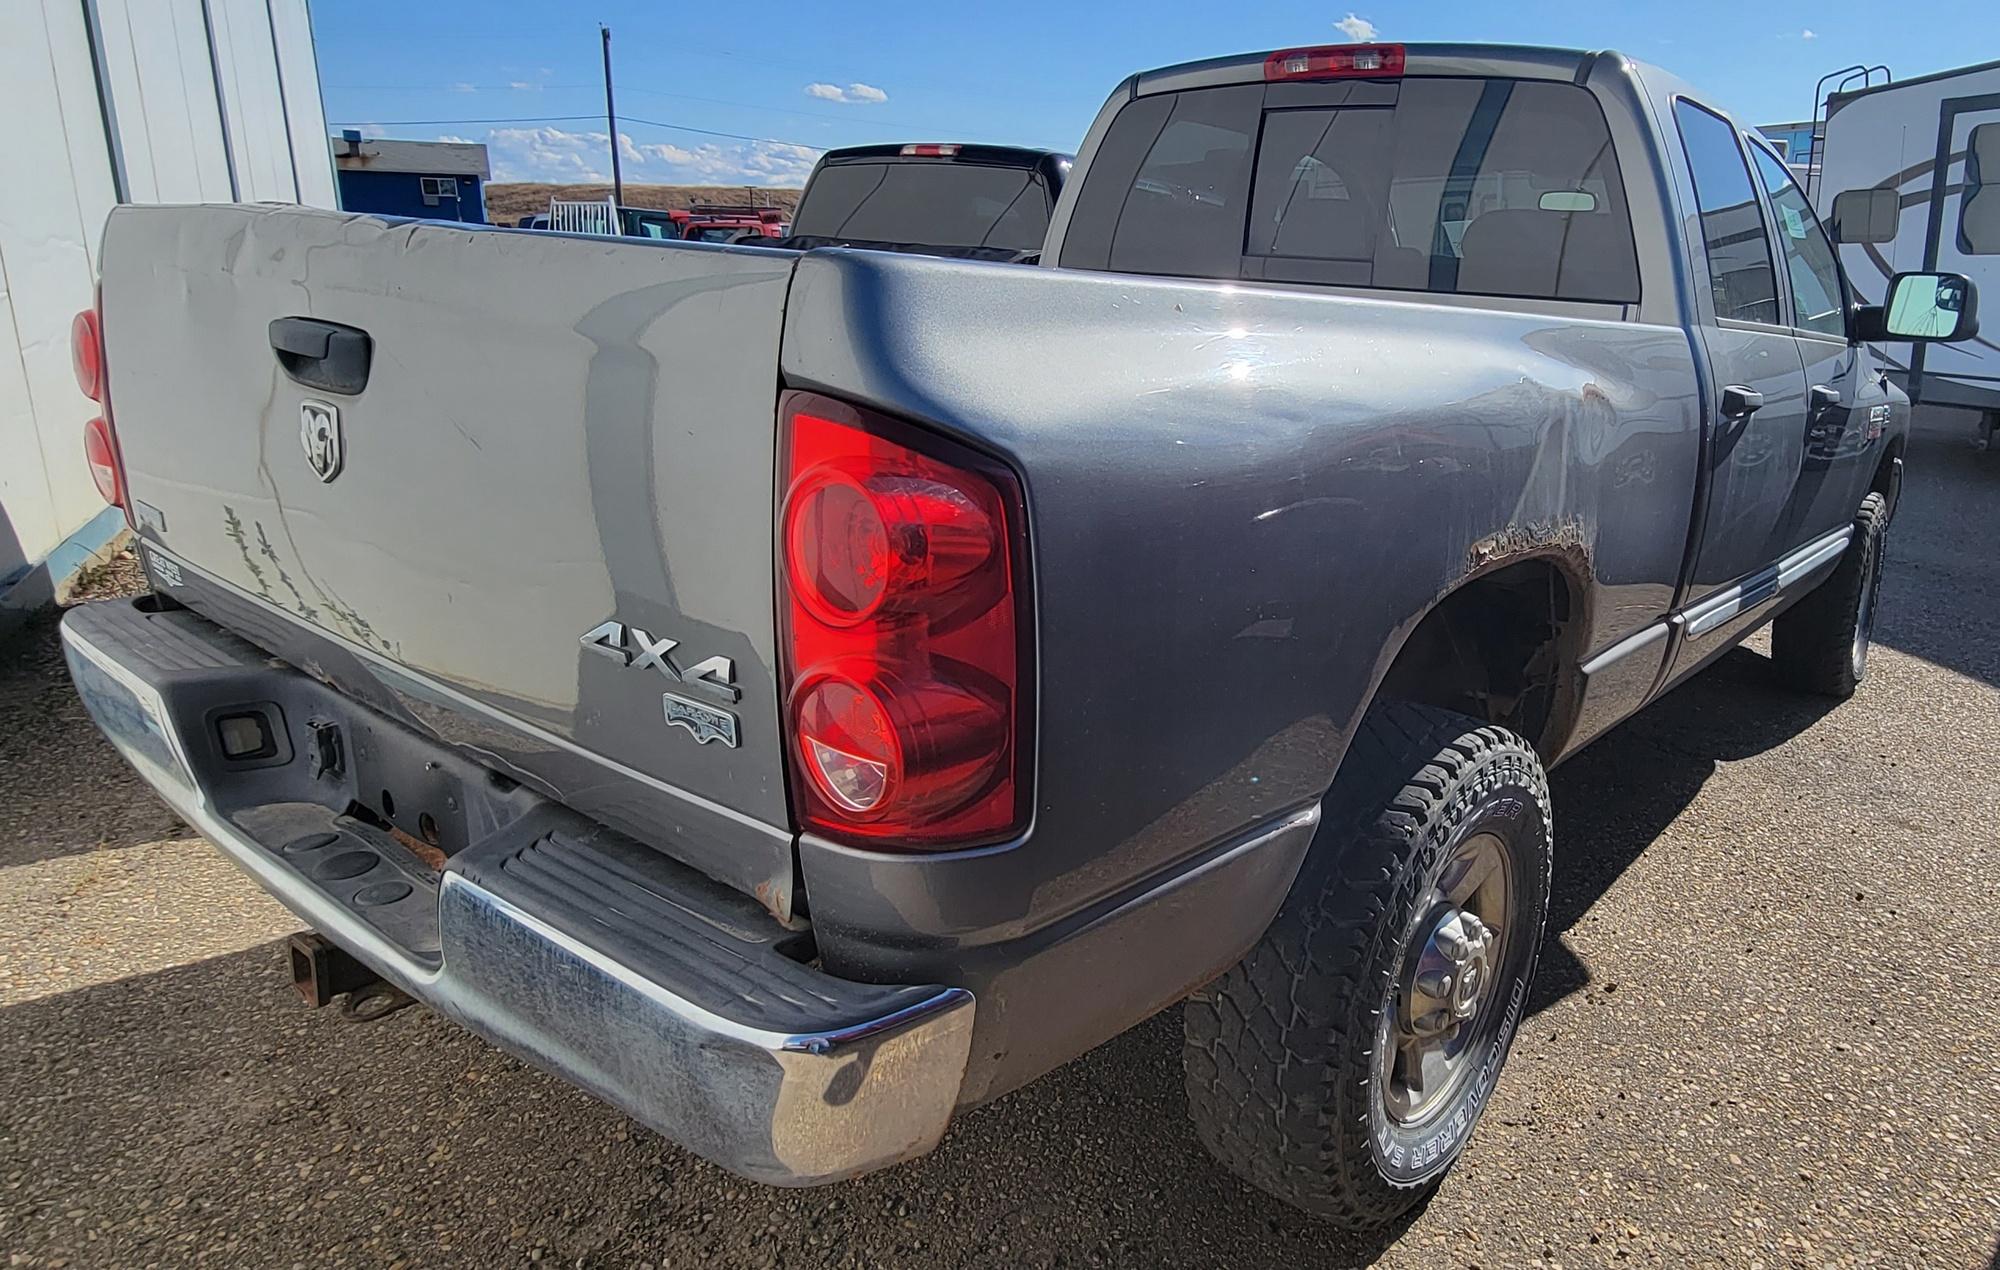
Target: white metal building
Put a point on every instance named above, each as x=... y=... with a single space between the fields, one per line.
x=107 y=101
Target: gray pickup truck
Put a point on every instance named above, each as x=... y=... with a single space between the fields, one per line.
x=798 y=695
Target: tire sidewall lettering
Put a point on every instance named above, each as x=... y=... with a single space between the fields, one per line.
x=1505 y=790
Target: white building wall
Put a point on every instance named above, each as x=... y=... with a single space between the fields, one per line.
x=144 y=100
x=55 y=187
x=291 y=33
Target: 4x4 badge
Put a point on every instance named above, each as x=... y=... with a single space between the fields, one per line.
x=633 y=647
x=714 y=677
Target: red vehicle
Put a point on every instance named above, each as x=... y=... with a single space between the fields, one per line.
x=715 y=223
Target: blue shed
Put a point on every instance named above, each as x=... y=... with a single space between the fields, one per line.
x=434 y=180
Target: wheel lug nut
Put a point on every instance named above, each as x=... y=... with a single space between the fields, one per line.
x=1434 y=983
x=1434 y=1022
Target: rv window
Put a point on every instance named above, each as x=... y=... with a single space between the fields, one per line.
x=1864 y=216
x=1979 y=206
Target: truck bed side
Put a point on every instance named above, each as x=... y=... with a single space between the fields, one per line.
x=1241 y=500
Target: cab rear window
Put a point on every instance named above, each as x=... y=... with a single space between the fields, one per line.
x=1476 y=186
x=934 y=203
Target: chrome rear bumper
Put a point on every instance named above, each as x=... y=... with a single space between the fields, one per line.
x=584 y=954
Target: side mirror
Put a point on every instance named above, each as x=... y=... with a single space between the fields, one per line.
x=1926 y=307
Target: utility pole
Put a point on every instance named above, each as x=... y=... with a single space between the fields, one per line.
x=611 y=115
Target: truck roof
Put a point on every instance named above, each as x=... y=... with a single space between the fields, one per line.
x=1004 y=156
x=1521 y=61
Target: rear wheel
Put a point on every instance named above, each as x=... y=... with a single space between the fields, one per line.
x=1342 y=1065
x=1821 y=643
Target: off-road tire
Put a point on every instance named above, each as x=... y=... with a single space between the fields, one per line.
x=1820 y=644
x=1280 y=1053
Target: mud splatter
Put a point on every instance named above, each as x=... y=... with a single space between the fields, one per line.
x=233 y=528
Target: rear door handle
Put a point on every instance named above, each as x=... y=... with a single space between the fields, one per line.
x=1739 y=402
x=1821 y=397
x=323 y=355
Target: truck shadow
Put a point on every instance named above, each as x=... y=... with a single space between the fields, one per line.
x=1618 y=797
x=1941 y=583
x=63 y=789
x=154 y=1111
x=1094 y=1164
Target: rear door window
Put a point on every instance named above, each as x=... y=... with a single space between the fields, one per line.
x=1472 y=186
x=1818 y=302
x=1175 y=179
x=1740 y=273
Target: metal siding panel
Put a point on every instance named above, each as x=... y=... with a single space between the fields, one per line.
x=92 y=183
x=122 y=88
x=163 y=91
x=305 y=115
x=246 y=62
x=46 y=274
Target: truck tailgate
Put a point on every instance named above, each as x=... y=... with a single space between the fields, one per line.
x=555 y=433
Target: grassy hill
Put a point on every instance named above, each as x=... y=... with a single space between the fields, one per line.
x=508 y=203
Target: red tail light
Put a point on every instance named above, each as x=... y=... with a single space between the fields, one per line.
x=901 y=596
x=100 y=443
x=86 y=354
x=931 y=151
x=100 y=450
x=1337 y=61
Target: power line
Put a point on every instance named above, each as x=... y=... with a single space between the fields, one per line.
x=648 y=92
x=710 y=132
x=425 y=123
x=622 y=119
x=523 y=87
x=828 y=116
x=869 y=118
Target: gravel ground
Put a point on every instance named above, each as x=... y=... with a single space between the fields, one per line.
x=1763 y=1034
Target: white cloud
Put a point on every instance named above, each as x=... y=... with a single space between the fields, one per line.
x=568 y=158
x=548 y=154
x=1359 y=30
x=524 y=86
x=463 y=88
x=452 y=139
x=867 y=93
x=747 y=163
x=1808 y=34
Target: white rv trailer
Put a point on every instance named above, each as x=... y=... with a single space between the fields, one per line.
x=1910 y=180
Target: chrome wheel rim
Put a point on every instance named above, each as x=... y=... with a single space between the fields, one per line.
x=1448 y=988
x=1864 y=617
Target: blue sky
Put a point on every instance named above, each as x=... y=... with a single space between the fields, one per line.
x=780 y=82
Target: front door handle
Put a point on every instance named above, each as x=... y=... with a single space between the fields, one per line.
x=1739 y=402
x=1822 y=397
x=323 y=355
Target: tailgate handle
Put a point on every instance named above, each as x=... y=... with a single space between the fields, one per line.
x=323 y=355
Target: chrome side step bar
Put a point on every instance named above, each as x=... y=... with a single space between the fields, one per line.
x=1767 y=584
